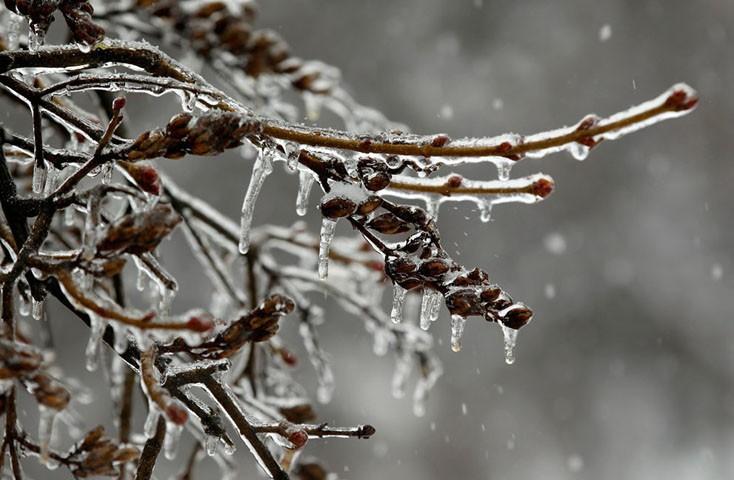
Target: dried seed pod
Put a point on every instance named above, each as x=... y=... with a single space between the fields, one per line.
x=337 y=207
x=388 y=224
x=140 y=232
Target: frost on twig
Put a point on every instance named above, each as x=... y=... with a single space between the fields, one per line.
x=86 y=207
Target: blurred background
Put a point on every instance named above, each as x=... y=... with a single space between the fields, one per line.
x=627 y=370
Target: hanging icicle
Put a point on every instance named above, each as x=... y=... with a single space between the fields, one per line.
x=260 y=170
x=328 y=228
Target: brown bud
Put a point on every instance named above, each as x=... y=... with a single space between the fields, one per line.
x=388 y=224
x=454 y=181
x=517 y=317
x=434 y=267
x=376 y=181
x=337 y=207
x=543 y=187
x=369 y=205
x=298 y=438
x=440 y=140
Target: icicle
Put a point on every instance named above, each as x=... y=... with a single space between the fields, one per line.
x=46 y=419
x=69 y=216
x=260 y=170
x=107 y=172
x=485 y=211
x=39 y=178
x=423 y=386
x=13 y=31
x=457 y=330
x=305 y=182
x=171 y=441
x=398 y=303
x=312 y=105
x=36 y=37
x=429 y=312
x=37 y=309
x=579 y=151
x=142 y=277
x=403 y=366
x=504 y=168
x=151 y=421
x=510 y=335
x=211 y=444
x=97 y=326
x=432 y=206
x=166 y=298
x=24 y=306
x=381 y=342
x=319 y=361
x=328 y=228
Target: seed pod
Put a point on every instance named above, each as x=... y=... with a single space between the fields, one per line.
x=337 y=207
x=434 y=267
x=388 y=224
x=369 y=205
x=517 y=317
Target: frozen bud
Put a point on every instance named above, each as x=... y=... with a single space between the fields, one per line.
x=289 y=358
x=200 y=324
x=374 y=173
x=543 y=187
x=118 y=103
x=298 y=438
x=140 y=232
x=434 y=267
x=682 y=98
x=49 y=393
x=491 y=293
x=589 y=122
x=388 y=224
x=440 y=140
x=517 y=317
x=92 y=437
x=146 y=176
x=376 y=181
x=454 y=181
x=464 y=303
x=502 y=302
x=178 y=125
x=337 y=207
x=399 y=265
x=478 y=275
x=176 y=413
x=369 y=205
x=126 y=454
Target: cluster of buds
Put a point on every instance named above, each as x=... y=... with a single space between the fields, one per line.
x=23 y=363
x=139 y=232
x=214 y=26
x=76 y=13
x=98 y=455
x=258 y=325
x=144 y=175
x=208 y=134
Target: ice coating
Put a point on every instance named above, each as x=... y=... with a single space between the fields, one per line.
x=260 y=170
x=398 y=303
x=305 y=182
x=328 y=229
x=457 y=331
